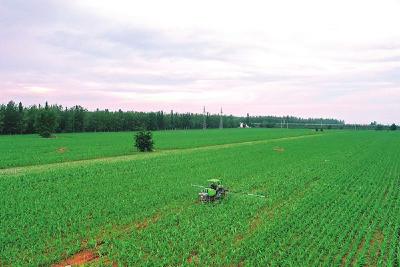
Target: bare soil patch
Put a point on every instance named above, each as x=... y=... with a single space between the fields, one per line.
x=359 y=249
x=141 y=225
x=145 y=223
x=82 y=257
x=374 y=250
x=107 y=262
x=279 y=149
x=62 y=150
x=193 y=258
x=255 y=223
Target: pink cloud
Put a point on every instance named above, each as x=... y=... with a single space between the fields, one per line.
x=64 y=54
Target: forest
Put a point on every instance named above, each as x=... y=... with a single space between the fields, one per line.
x=19 y=119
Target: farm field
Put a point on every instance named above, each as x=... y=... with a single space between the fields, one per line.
x=23 y=150
x=332 y=199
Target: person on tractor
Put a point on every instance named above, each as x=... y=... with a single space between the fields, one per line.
x=214 y=186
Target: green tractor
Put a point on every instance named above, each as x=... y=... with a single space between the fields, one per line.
x=215 y=191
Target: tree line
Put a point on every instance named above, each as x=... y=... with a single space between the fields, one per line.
x=47 y=119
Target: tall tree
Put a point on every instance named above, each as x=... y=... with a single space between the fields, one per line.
x=46 y=122
x=160 y=120
x=11 y=118
x=21 y=119
x=2 y=111
x=30 y=119
x=151 y=121
x=171 y=120
x=79 y=118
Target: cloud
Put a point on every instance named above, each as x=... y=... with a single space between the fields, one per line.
x=310 y=58
x=39 y=90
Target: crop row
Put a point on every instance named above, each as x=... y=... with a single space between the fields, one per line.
x=331 y=200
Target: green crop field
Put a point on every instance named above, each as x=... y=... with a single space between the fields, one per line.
x=332 y=199
x=26 y=150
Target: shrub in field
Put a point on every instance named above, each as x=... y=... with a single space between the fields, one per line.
x=45 y=134
x=144 y=141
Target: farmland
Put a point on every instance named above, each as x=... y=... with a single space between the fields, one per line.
x=332 y=199
x=25 y=150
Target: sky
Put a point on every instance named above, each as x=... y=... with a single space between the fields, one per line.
x=310 y=58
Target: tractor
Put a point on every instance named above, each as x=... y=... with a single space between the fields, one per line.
x=216 y=191
x=213 y=192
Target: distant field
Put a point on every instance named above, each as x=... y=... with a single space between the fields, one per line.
x=22 y=150
x=332 y=199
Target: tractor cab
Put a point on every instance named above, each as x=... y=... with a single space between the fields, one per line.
x=215 y=184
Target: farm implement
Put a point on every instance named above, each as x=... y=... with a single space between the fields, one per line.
x=216 y=191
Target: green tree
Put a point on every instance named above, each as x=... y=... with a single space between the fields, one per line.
x=144 y=141
x=2 y=111
x=21 y=119
x=46 y=122
x=78 y=119
x=160 y=120
x=11 y=118
x=30 y=119
x=152 y=121
x=393 y=127
x=171 y=120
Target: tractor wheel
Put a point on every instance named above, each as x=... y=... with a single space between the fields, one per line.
x=205 y=198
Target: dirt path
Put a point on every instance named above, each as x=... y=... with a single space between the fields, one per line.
x=43 y=167
x=79 y=258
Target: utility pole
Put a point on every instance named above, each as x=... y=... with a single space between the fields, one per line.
x=221 y=124
x=204 y=118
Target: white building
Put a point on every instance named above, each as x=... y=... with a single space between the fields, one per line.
x=244 y=125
